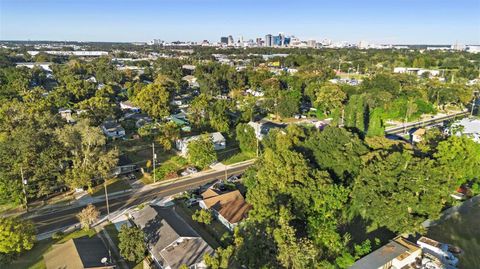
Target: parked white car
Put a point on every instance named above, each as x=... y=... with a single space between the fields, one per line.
x=189 y=171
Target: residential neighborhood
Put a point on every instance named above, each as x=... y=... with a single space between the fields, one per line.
x=247 y=134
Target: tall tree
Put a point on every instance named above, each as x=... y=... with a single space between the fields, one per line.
x=400 y=192
x=155 y=97
x=459 y=158
x=87 y=154
x=246 y=137
x=337 y=151
x=132 y=243
x=201 y=152
x=88 y=216
x=16 y=236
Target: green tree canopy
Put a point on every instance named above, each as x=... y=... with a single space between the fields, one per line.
x=400 y=191
x=201 y=152
x=16 y=236
x=87 y=153
x=132 y=243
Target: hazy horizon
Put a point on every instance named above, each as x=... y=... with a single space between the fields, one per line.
x=383 y=22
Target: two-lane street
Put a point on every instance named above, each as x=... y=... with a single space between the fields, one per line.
x=56 y=220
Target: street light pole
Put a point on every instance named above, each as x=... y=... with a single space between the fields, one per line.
x=106 y=197
x=154 y=156
x=24 y=183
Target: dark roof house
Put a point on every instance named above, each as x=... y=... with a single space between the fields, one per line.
x=171 y=241
x=79 y=253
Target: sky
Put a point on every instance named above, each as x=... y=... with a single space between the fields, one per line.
x=373 y=21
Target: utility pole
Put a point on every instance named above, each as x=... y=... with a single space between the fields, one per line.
x=24 y=183
x=106 y=197
x=154 y=157
x=226 y=174
x=474 y=101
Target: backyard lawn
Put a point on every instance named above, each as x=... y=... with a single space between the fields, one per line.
x=212 y=233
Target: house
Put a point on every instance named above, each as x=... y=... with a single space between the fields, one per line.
x=171 y=242
x=113 y=129
x=469 y=127
x=417 y=135
x=398 y=253
x=218 y=140
x=262 y=127
x=66 y=114
x=254 y=93
x=79 y=253
x=192 y=81
x=128 y=105
x=229 y=208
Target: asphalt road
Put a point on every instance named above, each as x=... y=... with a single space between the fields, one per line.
x=67 y=217
x=429 y=122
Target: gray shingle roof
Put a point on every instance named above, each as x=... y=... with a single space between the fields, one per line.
x=170 y=239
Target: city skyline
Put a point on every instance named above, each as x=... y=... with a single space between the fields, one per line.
x=395 y=22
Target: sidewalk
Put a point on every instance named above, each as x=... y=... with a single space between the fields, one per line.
x=83 y=201
x=87 y=199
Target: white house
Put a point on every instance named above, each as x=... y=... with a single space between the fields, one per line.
x=218 y=140
x=127 y=105
x=66 y=114
x=467 y=126
x=113 y=129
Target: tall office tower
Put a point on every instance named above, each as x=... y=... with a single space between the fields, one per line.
x=312 y=43
x=230 y=40
x=268 y=40
x=224 y=40
x=282 y=39
x=277 y=41
x=259 y=41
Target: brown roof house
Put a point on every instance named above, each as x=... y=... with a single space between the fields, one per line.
x=171 y=242
x=229 y=208
x=79 y=253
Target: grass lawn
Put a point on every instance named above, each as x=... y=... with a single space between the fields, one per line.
x=212 y=233
x=239 y=157
x=10 y=208
x=138 y=266
x=114 y=185
x=139 y=151
x=33 y=259
x=112 y=231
